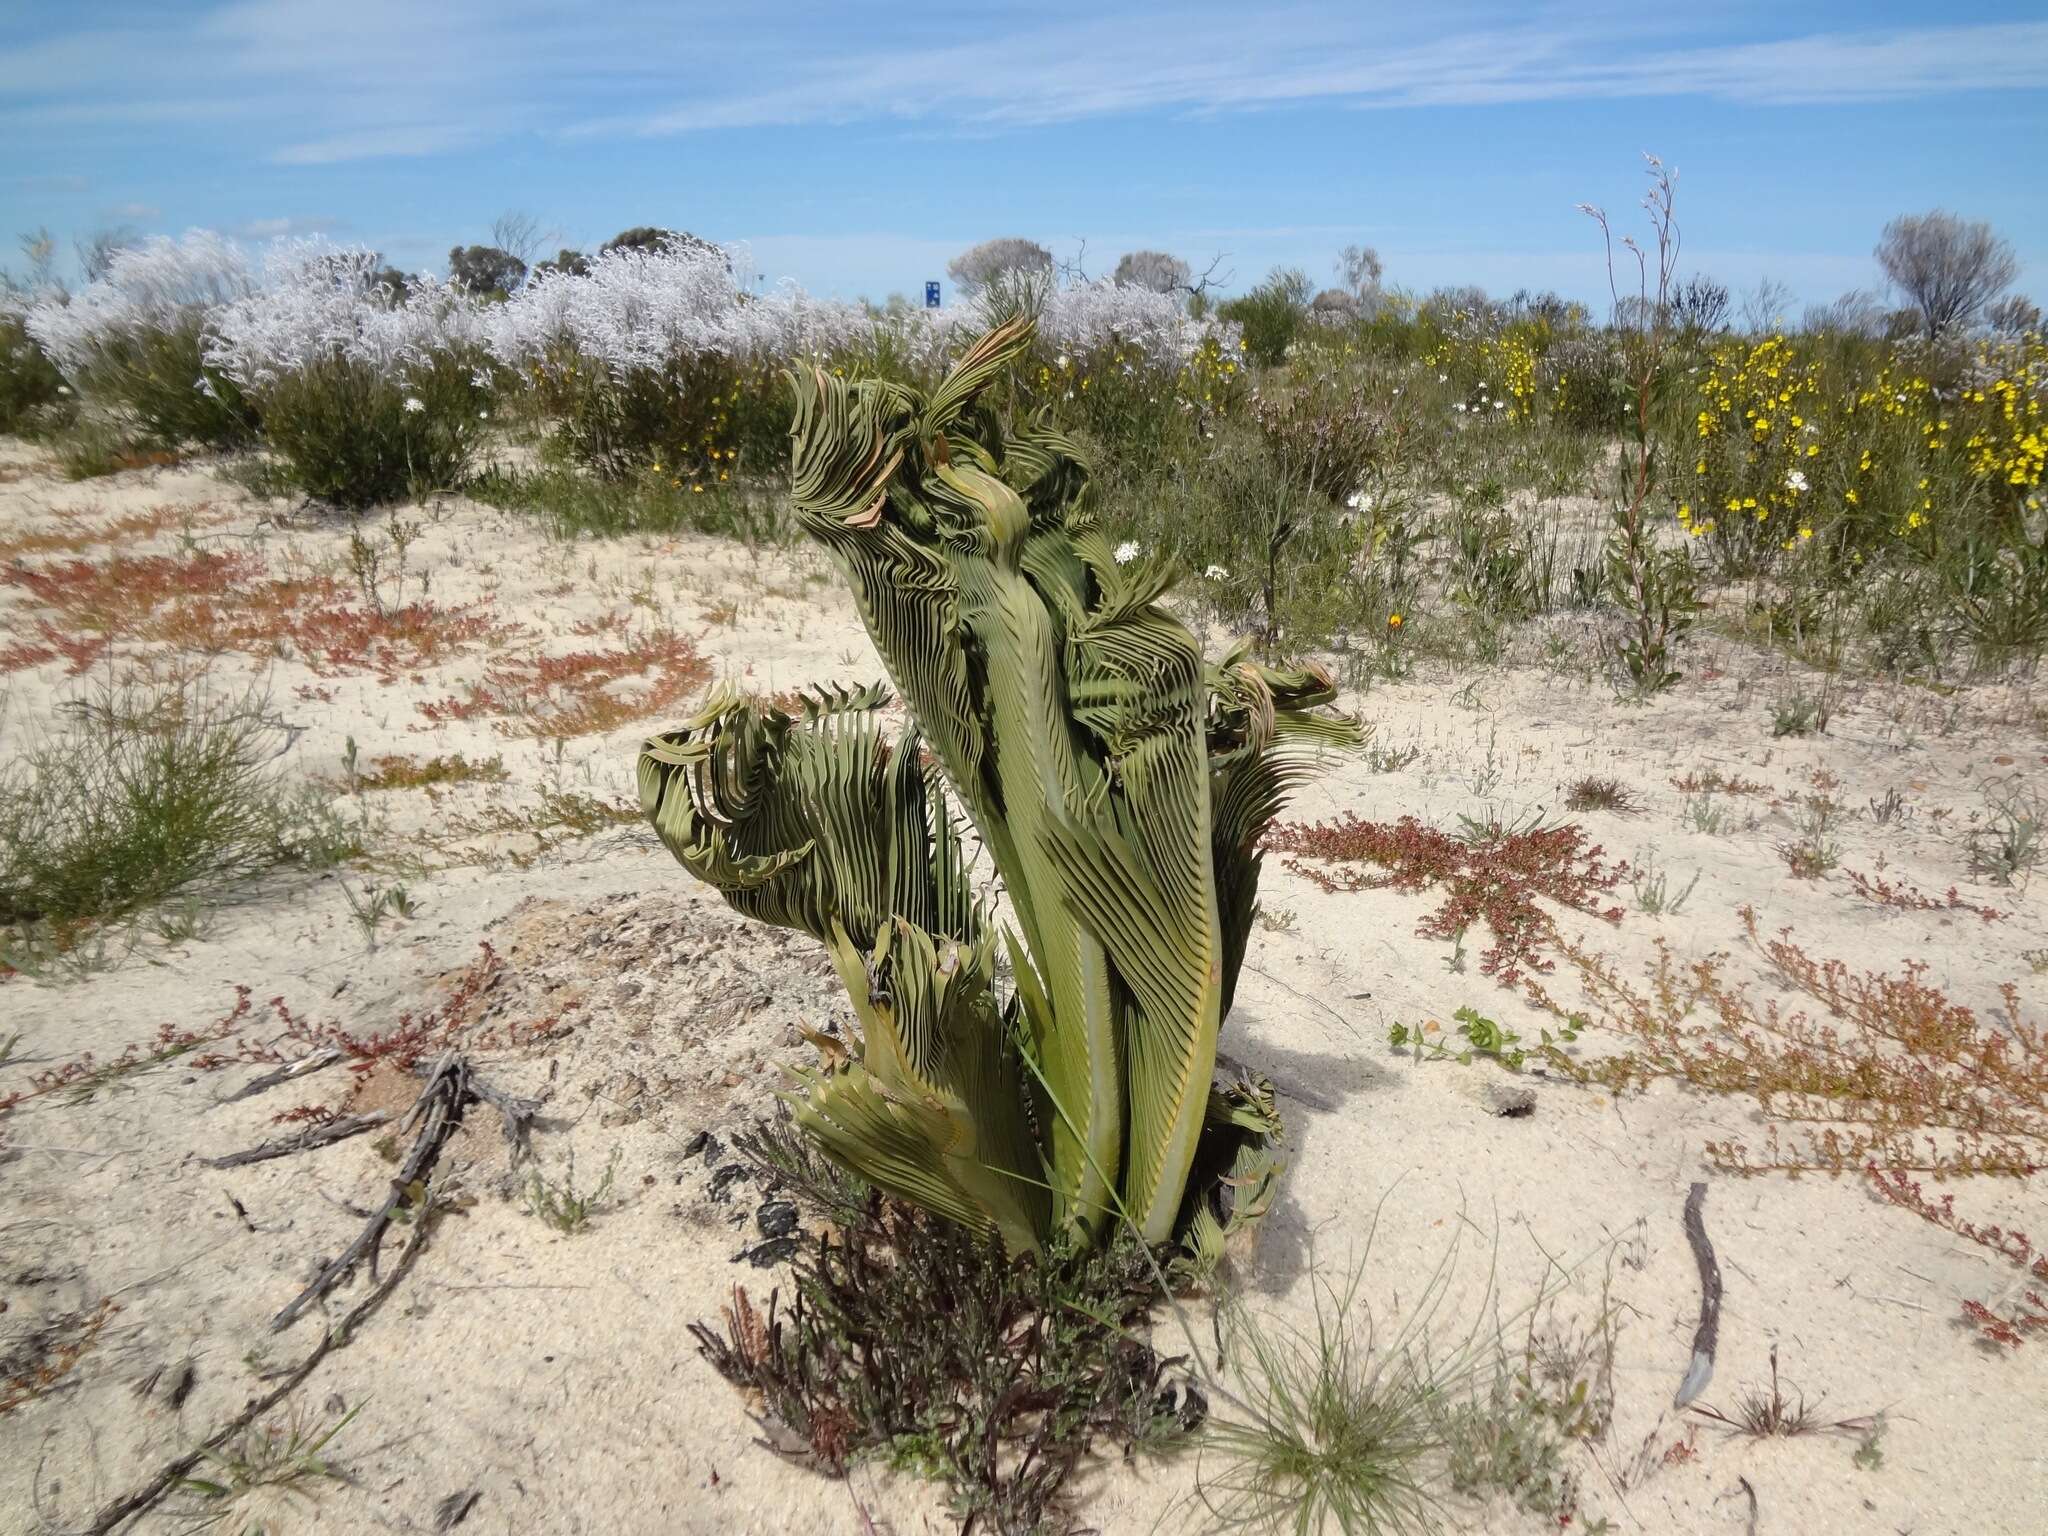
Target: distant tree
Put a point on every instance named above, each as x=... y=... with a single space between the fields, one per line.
x=652 y=237
x=39 y=250
x=1948 y=268
x=1636 y=312
x=1153 y=270
x=1764 y=306
x=1462 y=299
x=484 y=269
x=1334 y=306
x=389 y=285
x=2015 y=315
x=1856 y=313
x=1699 y=306
x=641 y=237
x=519 y=234
x=96 y=252
x=569 y=263
x=1901 y=324
x=1549 y=307
x=1359 y=266
x=978 y=266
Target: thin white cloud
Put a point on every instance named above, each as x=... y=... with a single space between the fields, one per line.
x=140 y=213
x=384 y=78
x=1106 y=67
x=278 y=228
x=377 y=143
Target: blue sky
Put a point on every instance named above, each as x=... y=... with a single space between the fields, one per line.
x=856 y=146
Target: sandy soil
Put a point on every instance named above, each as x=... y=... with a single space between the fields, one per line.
x=553 y=1375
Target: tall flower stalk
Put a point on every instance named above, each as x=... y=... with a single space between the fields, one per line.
x=1652 y=582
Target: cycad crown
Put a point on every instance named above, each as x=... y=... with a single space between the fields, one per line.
x=1119 y=786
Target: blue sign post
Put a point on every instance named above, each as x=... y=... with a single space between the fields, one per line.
x=931 y=295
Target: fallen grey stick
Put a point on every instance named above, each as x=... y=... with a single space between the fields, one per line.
x=516 y=1114
x=325 y=1134
x=437 y=1112
x=307 y=1064
x=1708 y=1334
x=119 y=1512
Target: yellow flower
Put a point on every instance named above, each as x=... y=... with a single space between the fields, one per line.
x=1393 y=621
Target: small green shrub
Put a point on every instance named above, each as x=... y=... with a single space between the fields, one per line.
x=913 y=1341
x=31 y=388
x=700 y=421
x=573 y=504
x=1587 y=391
x=564 y=1207
x=358 y=436
x=157 y=373
x=90 y=446
x=150 y=793
x=1272 y=315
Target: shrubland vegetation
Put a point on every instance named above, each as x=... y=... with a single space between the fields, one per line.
x=1029 y=1139
x=1361 y=468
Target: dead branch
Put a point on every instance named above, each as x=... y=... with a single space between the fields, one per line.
x=1708 y=1334
x=516 y=1114
x=437 y=1112
x=313 y=1136
x=306 y=1065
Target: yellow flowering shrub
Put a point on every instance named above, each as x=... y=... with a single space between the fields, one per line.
x=1792 y=441
x=1484 y=365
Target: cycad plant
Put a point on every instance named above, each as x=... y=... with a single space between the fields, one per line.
x=1119 y=786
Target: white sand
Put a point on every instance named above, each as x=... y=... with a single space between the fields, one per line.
x=555 y=1374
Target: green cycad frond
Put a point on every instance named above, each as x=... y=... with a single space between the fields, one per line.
x=812 y=821
x=933 y=1108
x=1120 y=785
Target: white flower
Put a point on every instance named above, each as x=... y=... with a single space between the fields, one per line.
x=483 y=415
x=1500 y=405
x=156 y=285
x=1217 y=573
x=63 y=389
x=414 y=404
x=319 y=303
x=1459 y=407
x=1443 y=378
x=1126 y=552
x=1796 y=480
x=1358 y=501
x=1061 y=360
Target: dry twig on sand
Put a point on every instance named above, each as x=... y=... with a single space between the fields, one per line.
x=322 y=1134
x=1708 y=1334
x=437 y=1112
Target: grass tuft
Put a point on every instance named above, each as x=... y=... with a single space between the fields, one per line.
x=151 y=792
